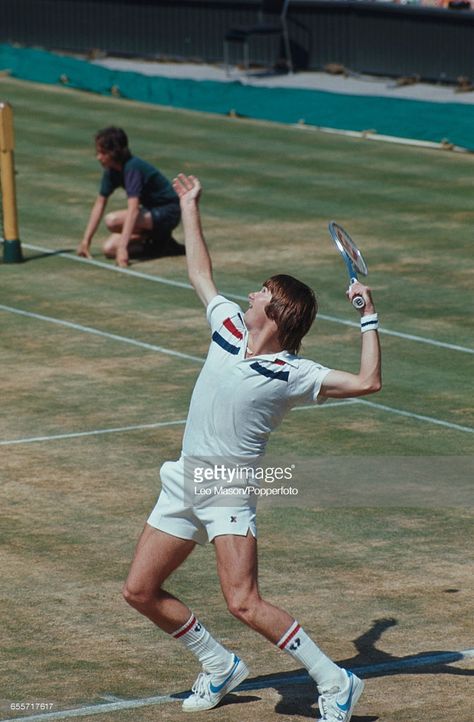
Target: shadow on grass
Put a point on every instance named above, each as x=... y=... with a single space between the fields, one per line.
x=298 y=690
x=47 y=254
x=230 y=698
x=371 y=662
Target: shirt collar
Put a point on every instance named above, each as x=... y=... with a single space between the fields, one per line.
x=285 y=356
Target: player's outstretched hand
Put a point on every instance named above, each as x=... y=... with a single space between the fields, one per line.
x=358 y=289
x=187 y=187
x=83 y=250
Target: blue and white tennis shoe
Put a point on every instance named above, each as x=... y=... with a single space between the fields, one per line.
x=209 y=688
x=336 y=704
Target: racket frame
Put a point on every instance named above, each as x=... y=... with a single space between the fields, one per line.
x=352 y=269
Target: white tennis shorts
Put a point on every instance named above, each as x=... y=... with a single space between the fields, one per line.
x=176 y=513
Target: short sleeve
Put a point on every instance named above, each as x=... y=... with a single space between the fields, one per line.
x=133 y=181
x=307 y=382
x=219 y=309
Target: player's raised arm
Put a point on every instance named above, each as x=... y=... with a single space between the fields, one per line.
x=341 y=384
x=198 y=259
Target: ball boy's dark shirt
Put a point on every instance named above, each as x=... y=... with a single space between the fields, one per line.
x=141 y=180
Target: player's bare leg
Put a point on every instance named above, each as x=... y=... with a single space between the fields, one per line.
x=237 y=566
x=157 y=555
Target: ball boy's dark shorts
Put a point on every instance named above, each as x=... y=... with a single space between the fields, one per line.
x=165 y=220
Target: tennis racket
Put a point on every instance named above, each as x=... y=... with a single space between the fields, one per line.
x=351 y=256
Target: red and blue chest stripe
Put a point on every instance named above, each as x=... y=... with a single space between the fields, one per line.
x=269 y=373
x=235 y=333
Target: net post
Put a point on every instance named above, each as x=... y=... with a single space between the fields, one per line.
x=11 y=241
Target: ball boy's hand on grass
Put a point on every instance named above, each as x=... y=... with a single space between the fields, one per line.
x=83 y=250
x=121 y=257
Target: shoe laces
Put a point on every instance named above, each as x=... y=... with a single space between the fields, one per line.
x=201 y=685
x=327 y=705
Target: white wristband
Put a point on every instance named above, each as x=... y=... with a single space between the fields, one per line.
x=369 y=322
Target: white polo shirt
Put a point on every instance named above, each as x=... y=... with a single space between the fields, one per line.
x=237 y=402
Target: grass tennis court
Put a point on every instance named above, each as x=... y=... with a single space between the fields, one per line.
x=97 y=369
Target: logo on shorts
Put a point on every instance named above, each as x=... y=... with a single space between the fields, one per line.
x=233 y=520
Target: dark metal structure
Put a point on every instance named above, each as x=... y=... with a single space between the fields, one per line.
x=372 y=37
x=271 y=23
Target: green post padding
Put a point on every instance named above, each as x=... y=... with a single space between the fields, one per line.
x=12 y=252
x=451 y=123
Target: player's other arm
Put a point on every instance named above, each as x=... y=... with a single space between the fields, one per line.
x=94 y=219
x=198 y=259
x=341 y=384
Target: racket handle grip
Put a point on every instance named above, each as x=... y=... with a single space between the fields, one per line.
x=358 y=302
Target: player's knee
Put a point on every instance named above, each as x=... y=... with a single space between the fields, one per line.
x=128 y=594
x=243 y=608
x=135 y=596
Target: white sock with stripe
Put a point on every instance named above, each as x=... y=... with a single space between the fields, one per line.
x=325 y=673
x=212 y=655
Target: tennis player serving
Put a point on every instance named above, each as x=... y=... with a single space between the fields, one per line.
x=252 y=376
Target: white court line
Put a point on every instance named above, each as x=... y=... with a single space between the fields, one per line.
x=170 y=352
x=274 y=682
x=339 y=402
x=399 y=334
x=411 y=415
x=135 y=427
x=236 y=297
x=95 y=432
x=399 y=412
x=109 y=266
x=104 y=334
